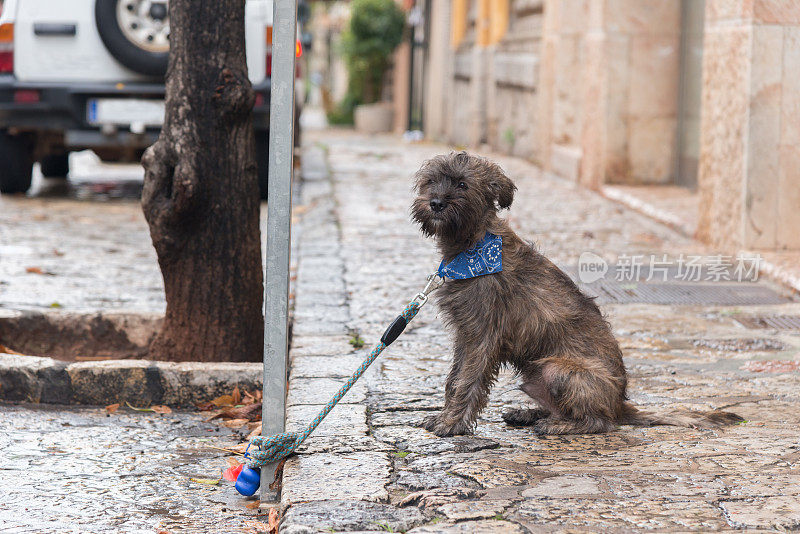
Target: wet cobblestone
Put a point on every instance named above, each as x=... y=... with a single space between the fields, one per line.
x=506 y=479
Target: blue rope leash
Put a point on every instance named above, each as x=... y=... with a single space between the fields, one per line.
x=274 y=448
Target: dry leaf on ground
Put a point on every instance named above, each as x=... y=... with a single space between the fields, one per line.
x=251 y=412
x=6 y=350
x=255 y=432
x=234 y=423
x=111 y=408
x=223 y=400
x=158 y=408
x=206 y=481
x=34 y=270
x=274 y=521
x=771 y=366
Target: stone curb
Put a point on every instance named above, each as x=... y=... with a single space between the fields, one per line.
x=139 y=382
x=770 y=269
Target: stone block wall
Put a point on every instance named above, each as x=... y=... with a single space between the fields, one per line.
x=749 y=173
x=490 y=88
x=513 y=74
x=609 y=90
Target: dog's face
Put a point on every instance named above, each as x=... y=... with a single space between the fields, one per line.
x=457 y=194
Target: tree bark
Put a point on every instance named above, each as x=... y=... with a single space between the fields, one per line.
x=200 y=195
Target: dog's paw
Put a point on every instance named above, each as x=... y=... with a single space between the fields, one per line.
x=444 y=429
x=524 y=416
x=430 y=422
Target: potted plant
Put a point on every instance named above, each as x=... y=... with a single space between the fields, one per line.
x=374 y=31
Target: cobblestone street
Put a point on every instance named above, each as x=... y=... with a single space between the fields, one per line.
x=370 y=467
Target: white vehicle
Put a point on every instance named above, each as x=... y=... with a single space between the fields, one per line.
x=78 y=74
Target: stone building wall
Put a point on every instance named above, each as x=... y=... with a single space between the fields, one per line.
x=609 y=90
x=749 y=160
x=513 y=73
x=490 y=95
x=591 y=90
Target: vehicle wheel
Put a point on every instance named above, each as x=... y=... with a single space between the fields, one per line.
x=262 y=160
x=136 y=32
x=16 y=164
x=55 y=165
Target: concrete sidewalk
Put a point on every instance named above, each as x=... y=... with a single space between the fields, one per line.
x=369 y=467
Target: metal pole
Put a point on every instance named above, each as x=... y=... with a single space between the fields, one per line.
x=276 y=286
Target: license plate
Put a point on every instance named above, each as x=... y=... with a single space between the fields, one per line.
x=125 y=111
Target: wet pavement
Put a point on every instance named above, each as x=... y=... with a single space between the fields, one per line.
x=371 y=467
x=80 y=245
x=66 y=469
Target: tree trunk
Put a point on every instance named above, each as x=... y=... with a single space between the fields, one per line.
x=200 y=193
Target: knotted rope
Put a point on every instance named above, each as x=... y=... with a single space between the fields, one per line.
x=274 y=448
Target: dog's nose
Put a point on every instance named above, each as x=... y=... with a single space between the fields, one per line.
x=438 y=205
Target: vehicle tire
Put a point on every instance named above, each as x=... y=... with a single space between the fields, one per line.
x=137 y=38
x=262 y=161
x=55 y=165
x=16 y=164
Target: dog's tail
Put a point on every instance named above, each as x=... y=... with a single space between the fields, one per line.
x=688 y=418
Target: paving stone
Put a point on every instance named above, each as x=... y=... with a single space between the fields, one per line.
x=308 y=345
x=352 y=515
x=563 y=487
x=484 y=509
x=489 y=475
x=354 y=476
x=633 y=479
x=779 y=512
x=432 y=479
x=339 y=366
x=343 y=444
x=321 y=390
x=469 y=527
x=627 y=514
x=344 y=419
x=436 y=497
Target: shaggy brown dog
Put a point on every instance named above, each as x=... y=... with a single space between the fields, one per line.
x=530 y=316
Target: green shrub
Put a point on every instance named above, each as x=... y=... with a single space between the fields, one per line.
x=375 y=29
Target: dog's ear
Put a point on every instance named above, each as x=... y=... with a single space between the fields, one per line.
x=503 y=188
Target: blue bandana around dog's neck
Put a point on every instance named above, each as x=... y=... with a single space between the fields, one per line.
x=486 y=257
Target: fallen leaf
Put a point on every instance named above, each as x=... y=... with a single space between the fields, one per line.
x=208 y=481
x=34 y=270
x=253 y=504
x=56 y=305
x=277 y=477
x=238 y=449
x=255 y=432
x=235 y=423
x=155 y=408
x=251 y=412
x=205 y=406
x=274 y=520
x=771 y=366
x=6 y=350
x=236 y=395
x=223 y=400
x=258 y=526
x=111 y=408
